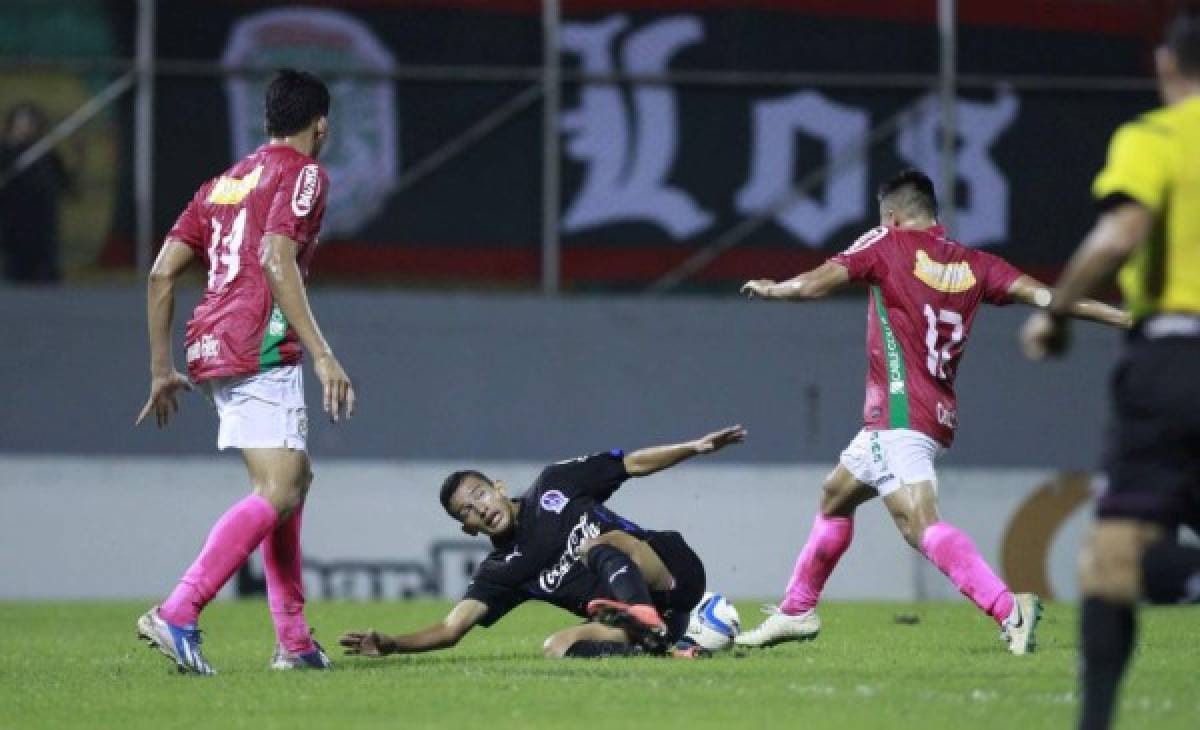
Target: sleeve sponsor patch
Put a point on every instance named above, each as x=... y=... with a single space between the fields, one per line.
x=866 y=240
x=308 y=187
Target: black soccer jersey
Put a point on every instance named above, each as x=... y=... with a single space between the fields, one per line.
x=540 y=560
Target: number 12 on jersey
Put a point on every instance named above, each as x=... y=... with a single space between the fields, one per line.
x=942 y=351
x=225 y=251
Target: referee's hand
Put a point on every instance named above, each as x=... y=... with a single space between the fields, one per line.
x=1045 y=336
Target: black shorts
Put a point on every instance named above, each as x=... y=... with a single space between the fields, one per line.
x=1152 y=457
x=676 y=604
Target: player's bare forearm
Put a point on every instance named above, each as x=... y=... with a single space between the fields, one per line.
x=173 y=259
x=287 y=287
x=1095 y=311
x=1114 y=237
x=432 y=638
x=656 y=458
x=819 y=282
x=1030 y=291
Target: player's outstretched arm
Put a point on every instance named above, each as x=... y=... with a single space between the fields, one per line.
x=287 y=286
x=819 y=282
x=656 y=458
x=1028 y=290
x=461 y=619
x=165 y=380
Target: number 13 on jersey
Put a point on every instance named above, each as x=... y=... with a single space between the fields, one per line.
x=224 y=254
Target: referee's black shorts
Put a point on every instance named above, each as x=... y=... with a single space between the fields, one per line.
x=1152 y=458
x=676 y=604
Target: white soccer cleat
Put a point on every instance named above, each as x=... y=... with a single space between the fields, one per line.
x=180 y=644
x=1020 y=627
x=779 y=627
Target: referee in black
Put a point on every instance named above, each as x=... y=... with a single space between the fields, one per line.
x=1149 y=228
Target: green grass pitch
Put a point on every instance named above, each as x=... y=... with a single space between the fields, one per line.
x=77 y=665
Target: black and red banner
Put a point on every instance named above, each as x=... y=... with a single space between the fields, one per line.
x=652 y=172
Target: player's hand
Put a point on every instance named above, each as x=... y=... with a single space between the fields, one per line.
x=335 y=384
x=718 y=440
x=163 y=398
x=368 y=643
x=758 y=288
x=1045 y=336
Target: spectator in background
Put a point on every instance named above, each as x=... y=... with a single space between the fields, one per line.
x=29 y=200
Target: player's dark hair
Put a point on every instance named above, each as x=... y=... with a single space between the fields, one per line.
x=295 y=99
x=1183 y=40
x=911 y=190
x=452 y=483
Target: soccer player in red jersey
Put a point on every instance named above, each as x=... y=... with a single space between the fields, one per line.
x=925 y=291
x=255 y=229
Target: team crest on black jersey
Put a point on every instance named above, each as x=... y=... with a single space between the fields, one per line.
x=554 y=501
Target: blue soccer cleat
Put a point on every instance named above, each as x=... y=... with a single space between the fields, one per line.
x=180 y=644
x=315 y=659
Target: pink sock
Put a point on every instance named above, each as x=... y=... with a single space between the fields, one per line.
x=233 y=538
x=284 y=568
x=826 y=544
x=954 y=554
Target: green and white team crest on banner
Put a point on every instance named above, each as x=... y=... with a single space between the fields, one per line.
x=360 y=156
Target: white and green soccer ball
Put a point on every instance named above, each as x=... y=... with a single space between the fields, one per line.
x=714 y=623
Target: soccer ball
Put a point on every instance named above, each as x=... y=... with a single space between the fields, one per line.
x=714 y=623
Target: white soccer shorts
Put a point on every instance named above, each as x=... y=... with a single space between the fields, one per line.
x=887 y=460
x=261 y=411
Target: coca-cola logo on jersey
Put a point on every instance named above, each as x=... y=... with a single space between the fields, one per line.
x=308 y=184
x=551 y=578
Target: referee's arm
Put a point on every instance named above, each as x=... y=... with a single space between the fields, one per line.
x=1118 y=231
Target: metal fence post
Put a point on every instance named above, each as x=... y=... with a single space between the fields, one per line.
x=143 y=152
x=948 y=91
x=551 y=165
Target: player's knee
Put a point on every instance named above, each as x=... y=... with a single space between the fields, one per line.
x=613 y=539
x=834 y=497
x=283 y=496
x=1109 y=567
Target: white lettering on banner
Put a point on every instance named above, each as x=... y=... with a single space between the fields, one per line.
x=628 y=145
x=983 y=212
x=840 y=129
x=77 y=496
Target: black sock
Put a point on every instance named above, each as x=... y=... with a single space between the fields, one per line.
x=620 y=573
x=600 y=649
x=1108 y=636
x=1171 y=573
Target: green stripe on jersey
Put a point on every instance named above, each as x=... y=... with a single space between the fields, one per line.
x=269 y=355
x=897 y=383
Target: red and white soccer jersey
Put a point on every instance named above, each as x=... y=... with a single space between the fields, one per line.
x=238 y=329
x=925 y=290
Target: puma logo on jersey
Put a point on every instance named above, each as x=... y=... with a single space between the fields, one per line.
x=233 y=190
x=950 y=278
x=308 y=183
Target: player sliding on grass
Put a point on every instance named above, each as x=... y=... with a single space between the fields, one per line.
x=558 y=543
x=255 y=228
x=925 y=291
